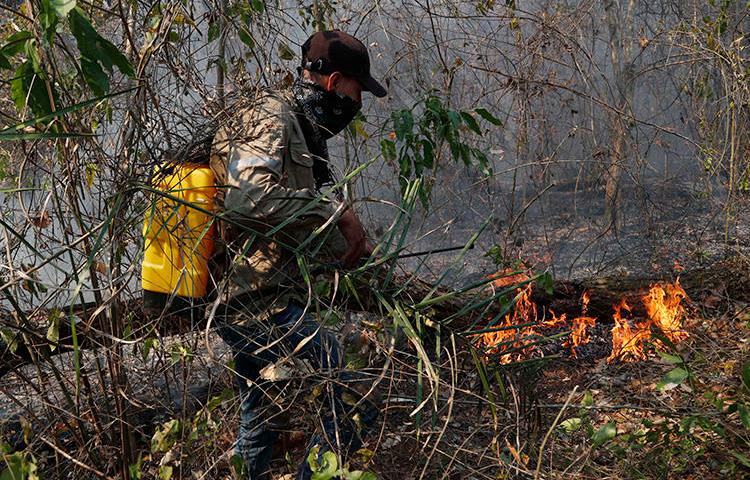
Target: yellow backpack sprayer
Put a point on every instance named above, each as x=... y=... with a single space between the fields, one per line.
x=179 y=238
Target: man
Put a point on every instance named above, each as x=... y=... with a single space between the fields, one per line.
x=272 y=157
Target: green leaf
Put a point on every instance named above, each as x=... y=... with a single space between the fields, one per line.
x=14 y=136
x=606 y=433
x=8 y=132
x=48 y=19
x=403 y=123
x=246 y=38
x=548 y=285
x=8 y=340
x=482 y=112
x=127 y=332
x=328 y=467
x=471 y=123
x=482 y=163
x=258 y=5
x=31 y=469
x=179 y=352
x=15 y=467
x=746 y=376
x=465 y=152
x=63 y=7
x=165 y=472
x=388 y=148
x=428 y=153
x=405 y=166
x=744 y=412
x=97 y=53
x=455 y=119
x=91 y=171
x=4 y=63
x=214 y=30
x=32 y=52
x=588 y=399
x=672 y=379
x=16 y=43
x=360 y=475
x=135 y=469
x=53 y=331
x=117 y=58
x=742 y=458
x=28 y=85
x=312 y=459
x=571 y=425
x=216 y=401
x=669 y=358
x=165 y=436
x=357 y=127
x=239 y=466
x=95 y=77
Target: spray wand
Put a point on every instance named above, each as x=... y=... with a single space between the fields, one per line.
x=435 y=250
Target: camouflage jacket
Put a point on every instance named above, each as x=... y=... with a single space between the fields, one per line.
x=276 y=221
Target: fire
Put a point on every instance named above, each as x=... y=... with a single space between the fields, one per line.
x=519 y=330
x=514 y=333
x=514 y=337
x=507 y=278
x=627 y=342
x=664 y=312
x=585 y=299
x=664 y=309
x=579 y=335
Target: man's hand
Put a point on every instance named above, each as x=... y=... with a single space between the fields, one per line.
x=356 y=239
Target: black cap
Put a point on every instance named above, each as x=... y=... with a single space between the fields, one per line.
x=336 y=51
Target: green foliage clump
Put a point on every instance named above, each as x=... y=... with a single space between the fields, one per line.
x=420 y=133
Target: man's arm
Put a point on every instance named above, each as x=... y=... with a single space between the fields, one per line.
x=356 y=238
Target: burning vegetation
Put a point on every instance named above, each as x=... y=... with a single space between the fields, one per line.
x=519 y=334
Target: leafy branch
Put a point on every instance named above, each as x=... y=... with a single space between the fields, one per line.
x=419 y=138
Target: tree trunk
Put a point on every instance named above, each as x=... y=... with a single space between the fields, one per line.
x=620 y=22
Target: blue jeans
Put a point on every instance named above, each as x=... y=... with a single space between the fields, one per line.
x=258 y=345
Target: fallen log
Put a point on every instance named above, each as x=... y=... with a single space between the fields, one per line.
x=47 y=332
x=726 y=278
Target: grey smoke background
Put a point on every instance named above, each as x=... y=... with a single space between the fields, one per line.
x=560 y=75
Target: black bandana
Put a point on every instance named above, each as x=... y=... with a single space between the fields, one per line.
x=323 y=114
x=317 y=146
x=328 y=112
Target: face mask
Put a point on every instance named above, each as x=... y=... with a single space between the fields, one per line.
x=328 y=112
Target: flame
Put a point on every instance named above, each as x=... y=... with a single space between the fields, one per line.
x=665 y=311
x=627 y=342
x=554 y=320
x=585 y=299
x=520 y=329
x=579 y=335
x=510 y=334
x=507 y=277
x=514 y=337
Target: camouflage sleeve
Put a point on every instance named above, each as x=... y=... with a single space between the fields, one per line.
x=256 y=192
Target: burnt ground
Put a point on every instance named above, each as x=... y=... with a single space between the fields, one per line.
x=550 y=417
x=681 y=431
x=566 y=232
x=549 y=408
